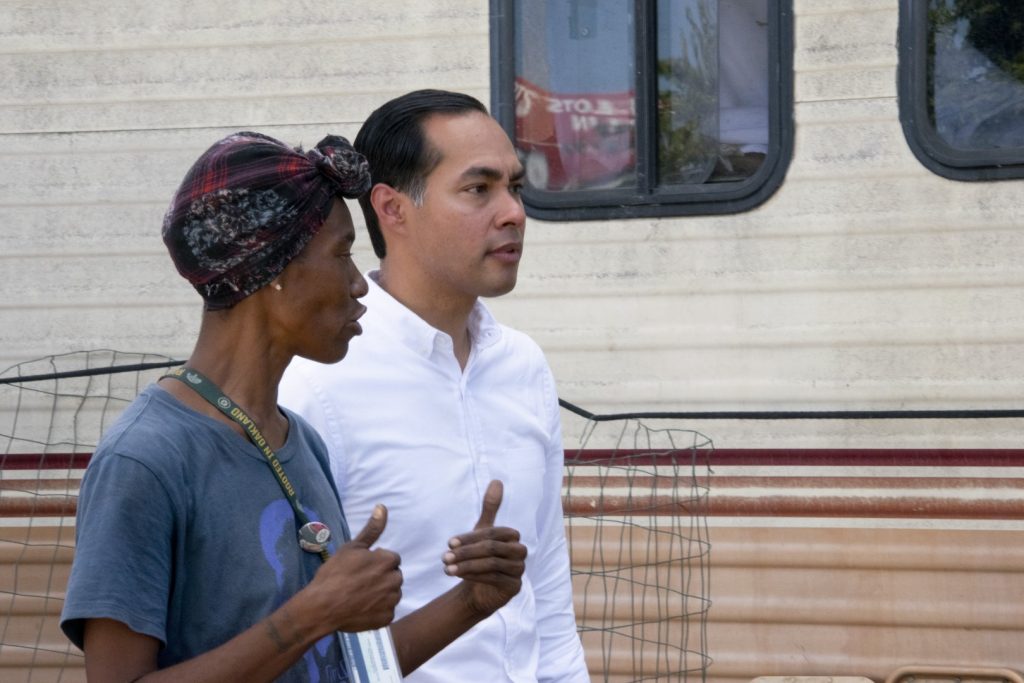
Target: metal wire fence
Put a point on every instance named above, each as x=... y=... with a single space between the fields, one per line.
x=635 y=500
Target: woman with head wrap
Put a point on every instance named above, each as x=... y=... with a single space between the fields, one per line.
x=211 y=544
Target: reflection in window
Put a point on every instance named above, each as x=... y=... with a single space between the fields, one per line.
x=687 y=90
x=653 y=108
x=575 y=116
x=712 y=89
x=575 y=91
x=976 y=73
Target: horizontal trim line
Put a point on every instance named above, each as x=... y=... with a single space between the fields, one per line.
x=798 y=414
x=792 y=457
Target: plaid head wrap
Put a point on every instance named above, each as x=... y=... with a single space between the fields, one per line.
x=249 y=205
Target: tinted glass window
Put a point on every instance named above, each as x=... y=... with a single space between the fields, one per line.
x=712 y=89
x=682 y=105
x=962 y=85
x=575 y=119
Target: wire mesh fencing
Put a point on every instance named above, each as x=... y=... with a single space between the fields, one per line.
x=635 y=500
x=52 y=413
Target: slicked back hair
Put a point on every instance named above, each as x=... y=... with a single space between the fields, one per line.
x=394 y=143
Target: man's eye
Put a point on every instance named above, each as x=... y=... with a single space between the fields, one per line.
x=517 y=188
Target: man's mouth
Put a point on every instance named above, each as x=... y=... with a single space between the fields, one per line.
x=508 y=253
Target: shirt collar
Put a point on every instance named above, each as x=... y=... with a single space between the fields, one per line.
x=415 y=332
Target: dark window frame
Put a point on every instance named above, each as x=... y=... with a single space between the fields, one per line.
x=646 y=200
x=931 y=150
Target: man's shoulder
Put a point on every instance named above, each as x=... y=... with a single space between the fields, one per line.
x=316 y=390
x=519 y=343
x=486 y=326
x=517 y=336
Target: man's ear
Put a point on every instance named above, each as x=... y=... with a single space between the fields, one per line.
x=390 y=205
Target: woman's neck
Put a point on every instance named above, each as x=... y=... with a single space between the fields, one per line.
x=236 y=355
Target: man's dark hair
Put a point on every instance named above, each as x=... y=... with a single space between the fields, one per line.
x=393 y=142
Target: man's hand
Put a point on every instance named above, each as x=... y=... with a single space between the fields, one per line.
x=489 y=559
x=361 y=587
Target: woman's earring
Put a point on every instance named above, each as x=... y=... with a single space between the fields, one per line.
x=277 y=286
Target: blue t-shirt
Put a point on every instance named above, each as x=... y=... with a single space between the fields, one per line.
x=183 y=532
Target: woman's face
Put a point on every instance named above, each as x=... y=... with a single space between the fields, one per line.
x=317 y=305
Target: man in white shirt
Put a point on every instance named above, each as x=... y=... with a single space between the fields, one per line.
x=436 y=398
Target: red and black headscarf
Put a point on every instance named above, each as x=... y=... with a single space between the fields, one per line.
x=249 y=205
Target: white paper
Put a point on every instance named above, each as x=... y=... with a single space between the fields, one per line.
x=370 y=656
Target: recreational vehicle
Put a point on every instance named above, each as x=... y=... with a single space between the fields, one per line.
x=790 y=229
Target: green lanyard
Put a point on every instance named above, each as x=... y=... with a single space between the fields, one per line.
x=313 y=536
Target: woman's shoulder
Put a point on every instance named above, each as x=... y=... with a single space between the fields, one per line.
x=154 y=430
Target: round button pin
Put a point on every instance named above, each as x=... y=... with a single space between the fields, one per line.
x=313 y=537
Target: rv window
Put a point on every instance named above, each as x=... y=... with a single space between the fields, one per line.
x=962 y=86
x=644 y=108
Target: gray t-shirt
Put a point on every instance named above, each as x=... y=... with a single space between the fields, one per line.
x=183 y=532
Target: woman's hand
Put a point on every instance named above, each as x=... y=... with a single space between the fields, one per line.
x=359 y=587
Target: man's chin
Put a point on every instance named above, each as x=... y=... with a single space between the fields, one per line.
x=499 y=289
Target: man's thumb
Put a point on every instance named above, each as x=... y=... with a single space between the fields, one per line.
x=374 y=526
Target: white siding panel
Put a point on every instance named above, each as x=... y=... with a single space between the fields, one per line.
x=102 y=25
x=103 y=168
x=816 y=262
x=157 y=327
x=809 y=8
x=94 y=280
x=864 y=282
x=67 y=178
x=84 y=266
x=845 y=85
x=132 y=65
x=106 y=104
x=261 y=84
x=825 y=320
x=274 y=70
x=845 y=55
x=790 y=379
x=846 y=41
x=47 y=230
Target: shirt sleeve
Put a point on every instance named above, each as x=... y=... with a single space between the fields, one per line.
x=123 y=551
x=561 y=653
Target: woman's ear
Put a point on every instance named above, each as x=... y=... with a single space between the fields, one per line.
x=390 y=206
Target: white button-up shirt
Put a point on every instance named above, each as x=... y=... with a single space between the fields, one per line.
x=407 y=427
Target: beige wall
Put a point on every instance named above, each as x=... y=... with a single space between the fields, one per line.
x=105 y=106
x=865 y=282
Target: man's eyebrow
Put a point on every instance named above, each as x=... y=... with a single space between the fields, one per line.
x=491 y=173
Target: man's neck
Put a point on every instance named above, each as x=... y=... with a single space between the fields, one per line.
x=447 y=312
